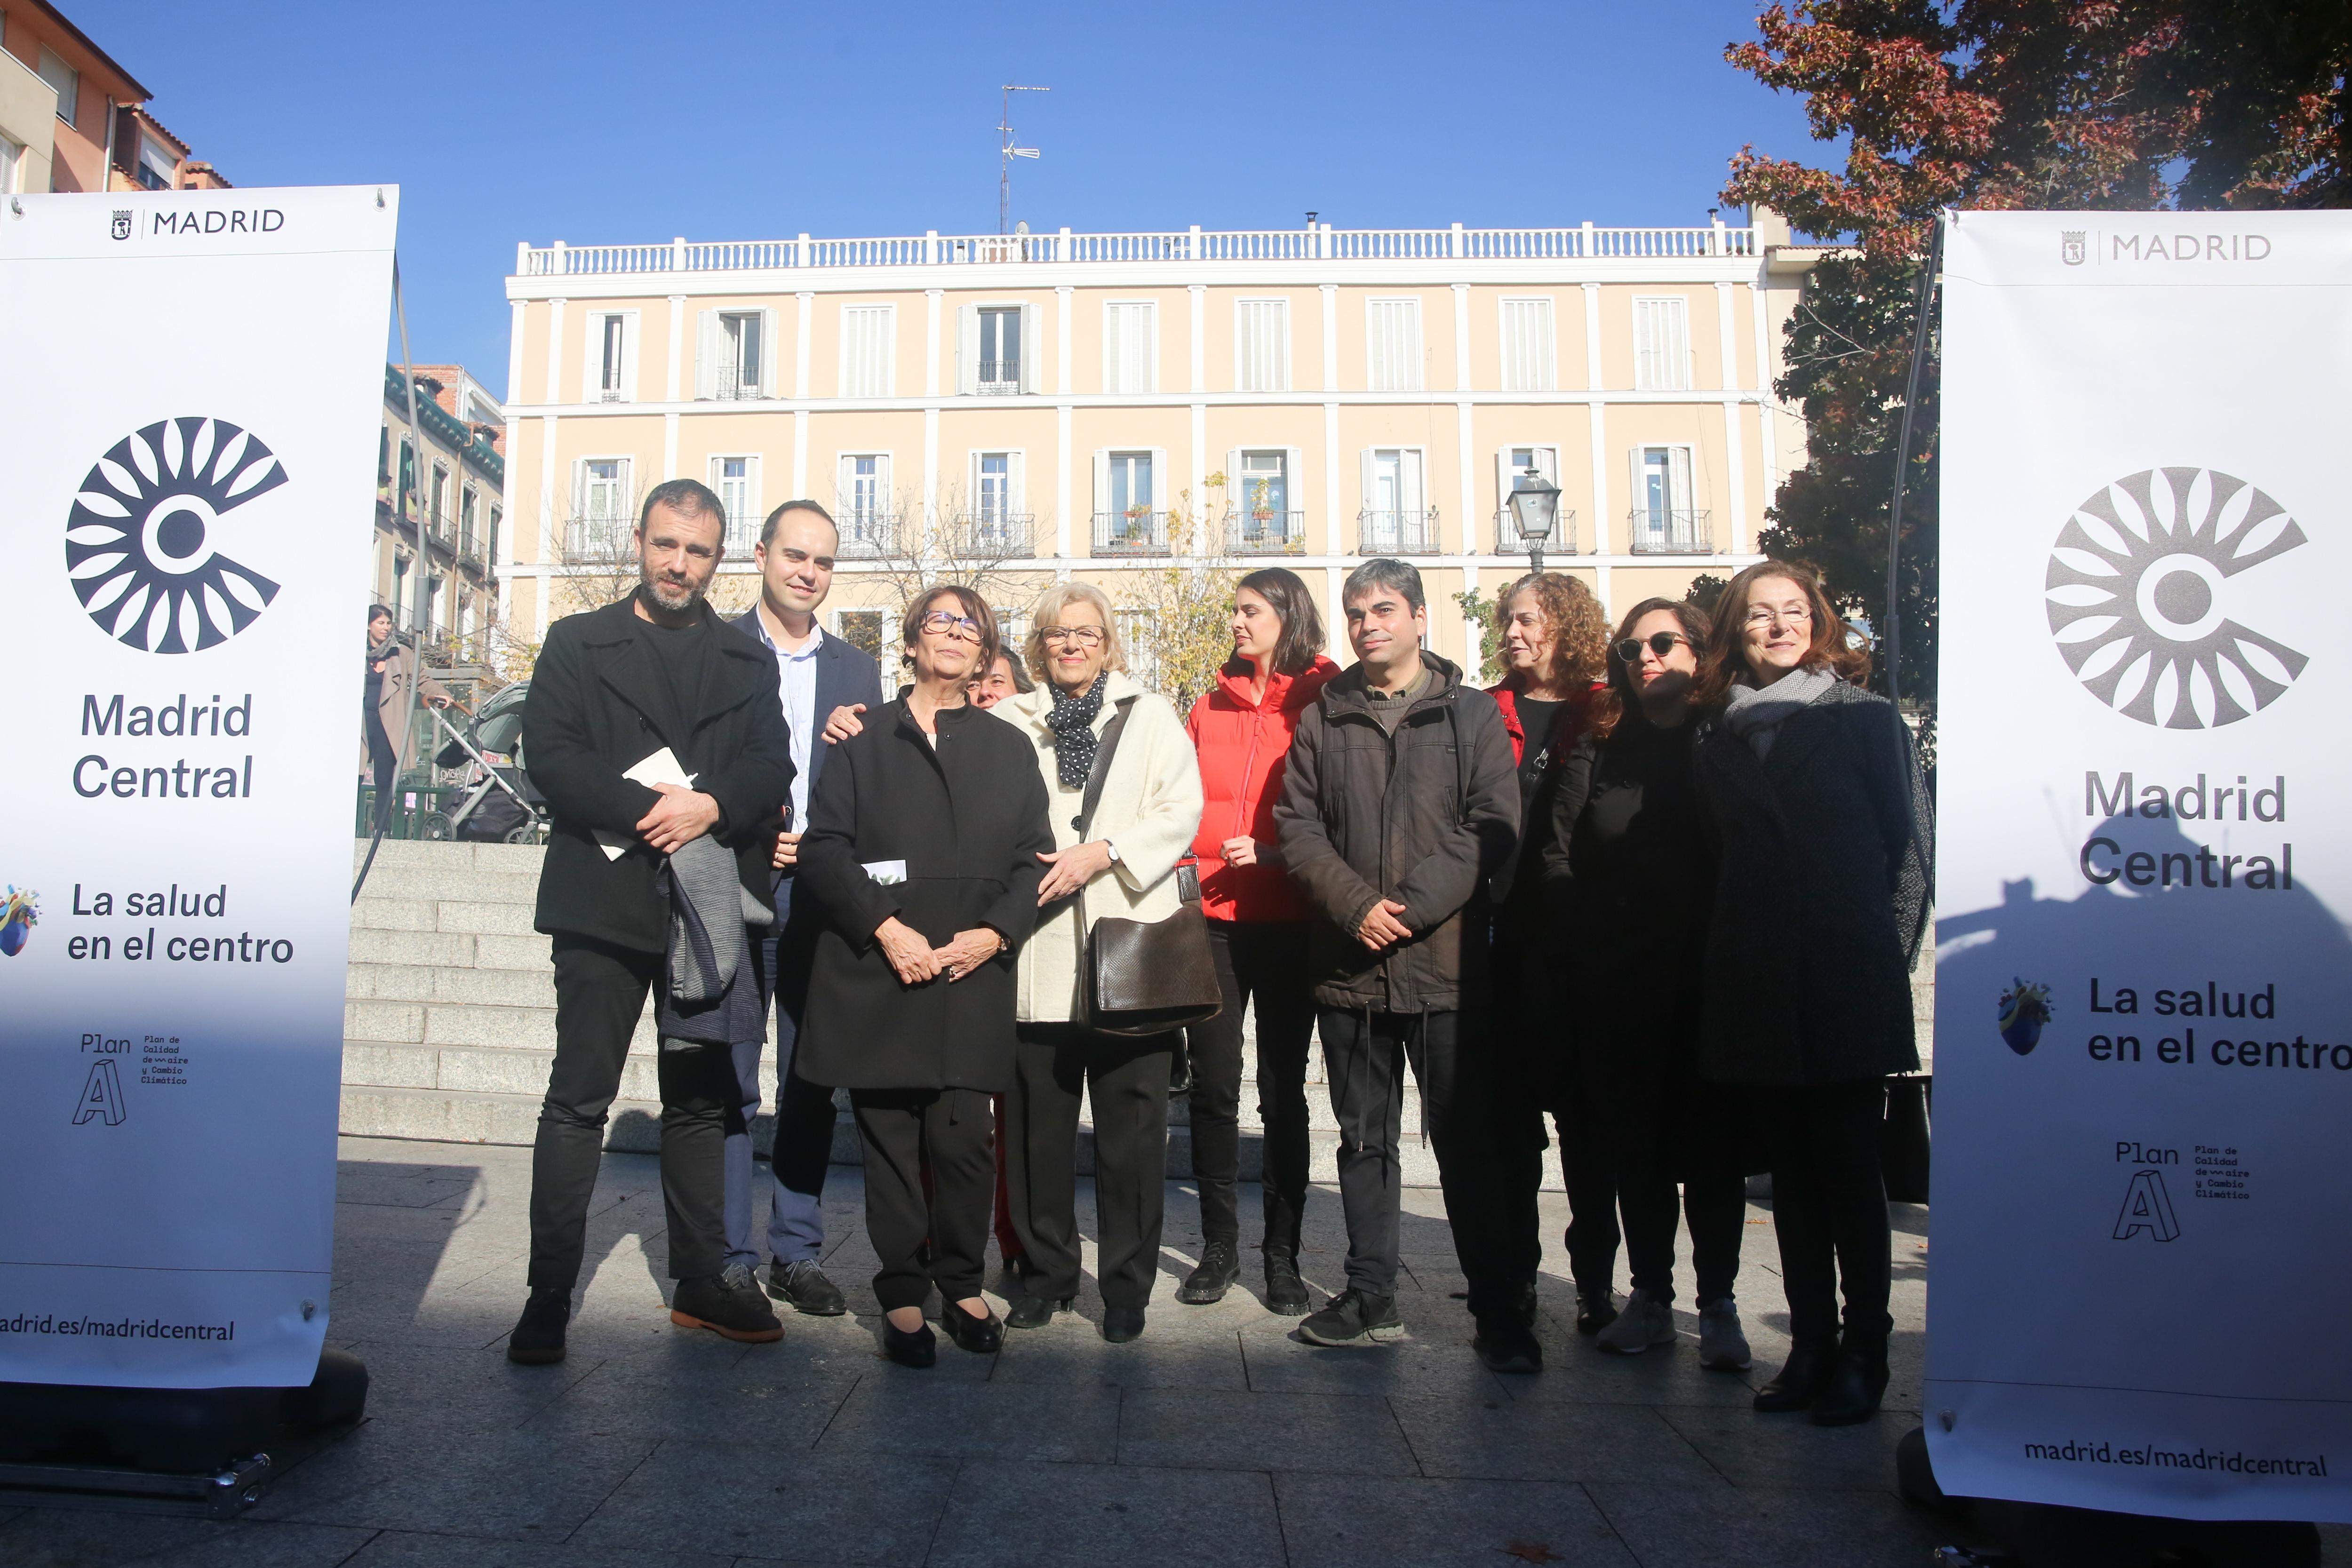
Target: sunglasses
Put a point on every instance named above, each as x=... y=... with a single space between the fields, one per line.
x=1629 y=650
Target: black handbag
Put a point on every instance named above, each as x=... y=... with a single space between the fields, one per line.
x=1139 y=977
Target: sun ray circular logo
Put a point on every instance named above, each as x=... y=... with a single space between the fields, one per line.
x=140 y=547
x=2136 y=593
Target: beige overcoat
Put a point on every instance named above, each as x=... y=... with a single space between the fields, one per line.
x=391 y=707
x=1149 y=808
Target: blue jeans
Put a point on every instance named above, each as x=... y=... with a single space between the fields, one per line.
x=805 y=1119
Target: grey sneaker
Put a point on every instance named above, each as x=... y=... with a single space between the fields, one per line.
x=1643 y=1324
x=1722 y=1346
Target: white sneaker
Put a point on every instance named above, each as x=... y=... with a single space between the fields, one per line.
x=1643 y=1322
x=1722 y=1346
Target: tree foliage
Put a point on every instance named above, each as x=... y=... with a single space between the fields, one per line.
x=2066 y=104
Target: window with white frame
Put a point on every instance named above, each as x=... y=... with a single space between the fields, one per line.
x=737 y=480
x=1664 y=515
x=1511 y=472
x=739 y=350
x=158 y=166
x=1396 y=520
x=862 y=503
x=602 y=508
x=1662 y=343
x=735 y=354
x=995 y=510
x=1261 y=345
x=1131 y=346
x=1393 y=345
x=1260 y=488
x=54 y=70
x=1129 y=515
x=869 y=348
x=469 y=507
x=438 y=510
x=611 y=356
x=1531 y=352
x=999 y=367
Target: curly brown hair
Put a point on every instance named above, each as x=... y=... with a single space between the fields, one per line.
x=1836 y=645
x=1579 y=650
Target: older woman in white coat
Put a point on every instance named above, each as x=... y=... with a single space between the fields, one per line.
x=1126 y=863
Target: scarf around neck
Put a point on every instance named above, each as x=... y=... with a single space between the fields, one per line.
x=1754 y=713
x=1072 y=721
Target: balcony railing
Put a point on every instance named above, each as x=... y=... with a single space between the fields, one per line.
x=1651 y=530
x=733 y=386
x=1000 y=378
x=1397 y=533
x=1585 y=243
x=598 y=537
x=1136 y=532
x=866 y=534
x=1508 y=542
x=1260 y=532
x=995 y=535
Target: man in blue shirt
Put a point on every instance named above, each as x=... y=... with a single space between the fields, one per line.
x=816 y=675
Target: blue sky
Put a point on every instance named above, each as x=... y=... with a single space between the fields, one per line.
x=600 y=123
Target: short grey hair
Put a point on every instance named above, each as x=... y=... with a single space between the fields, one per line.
x=1384 y=572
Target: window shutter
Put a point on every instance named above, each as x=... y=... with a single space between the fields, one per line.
x=1028 y=349
x=1015 y=479
x=967 y=349
x=1637 y=507
x=706 y=354
x=1237 y=496
x=628 y=490
x=1678 y=479
x=1114 y=322
x=972 y=485
x=770 y=385
x=1102 y=479
x=1646 y=351
x=592 y=358
x=1371 y=494
x=1506 y=533
x=579 y=485
x=1160 y=486
x=1147 y=356
x=1293 y=489
x=1376 y=349
x=843 y=481
x=1408 y=482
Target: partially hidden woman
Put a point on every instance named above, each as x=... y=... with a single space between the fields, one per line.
x=923 y=847
x=384 y=705
x=1629 y=873
x=1553 y=639
x=1813 y=790
x=1126 y=863
x=1241 y=729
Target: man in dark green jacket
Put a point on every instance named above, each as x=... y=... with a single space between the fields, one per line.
x=1401 y=802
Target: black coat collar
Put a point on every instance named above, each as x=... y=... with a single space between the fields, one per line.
x=628 y=668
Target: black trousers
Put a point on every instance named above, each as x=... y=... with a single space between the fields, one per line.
x=1126 y=1083
x=383 y=758
x=1592 y=1233
x=1364 y=1056
x=600 y=990
x=1829 y=1205
x=1716 y=1204
x=955 y=1131
x=1265 y=960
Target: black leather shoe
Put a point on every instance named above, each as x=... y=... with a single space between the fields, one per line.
x=1035 y=1311
x=538 y=1336
x=983 y=1336
x=1219 y=1266
x=1800 y=1379
x=731 y=1309
x=1594 y=1312
x=802 y=1287
x=1856 y=1382
x=917 y=1348
x=1286 y=1293
x=1121 y=1324
x=1503 y=1344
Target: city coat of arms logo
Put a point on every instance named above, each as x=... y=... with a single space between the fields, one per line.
x=140 y=546
x=2137 y=592
x=2071 y=247
x=121 y=223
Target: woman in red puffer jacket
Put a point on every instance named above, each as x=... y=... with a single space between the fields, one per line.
x=1257 y=930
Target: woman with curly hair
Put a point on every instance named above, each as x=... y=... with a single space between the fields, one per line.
x=1554 y=642
x=1813 y=788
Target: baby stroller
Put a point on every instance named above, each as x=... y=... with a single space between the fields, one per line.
x=500 y=806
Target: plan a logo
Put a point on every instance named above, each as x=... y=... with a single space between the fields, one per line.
x=122 y=229
x=2071 y=248
x=141 y=540
x=2146 y=1207
x=101 y=1095
x=2138 y=591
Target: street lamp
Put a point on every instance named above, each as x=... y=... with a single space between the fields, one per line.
x=1535 y=511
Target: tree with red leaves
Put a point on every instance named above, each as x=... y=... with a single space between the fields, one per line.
x=2118 y=104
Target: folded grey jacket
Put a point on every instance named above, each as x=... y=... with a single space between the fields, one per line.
x=708 y=911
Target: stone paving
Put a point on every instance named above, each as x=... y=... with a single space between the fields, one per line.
x=1218 y=1438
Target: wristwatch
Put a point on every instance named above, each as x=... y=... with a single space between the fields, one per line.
x=1114 y=851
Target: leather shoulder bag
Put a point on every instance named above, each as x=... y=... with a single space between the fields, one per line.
x=1139 y=977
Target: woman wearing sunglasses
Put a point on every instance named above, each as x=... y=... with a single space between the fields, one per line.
x=924 y=848
x=1632 y=877
x=1813 y=790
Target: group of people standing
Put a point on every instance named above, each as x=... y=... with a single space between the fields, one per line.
x=1662 y=887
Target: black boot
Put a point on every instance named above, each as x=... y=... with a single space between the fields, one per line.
x=1801 y=1378
x=537 y=1337
x=1219 y=1266
x=1286 y=1293
x=1856 y=1383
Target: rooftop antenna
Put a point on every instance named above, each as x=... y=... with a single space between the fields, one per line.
x=1006 y=151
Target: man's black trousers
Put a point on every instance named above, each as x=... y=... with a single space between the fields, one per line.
x=1265 y=961
x=1364 y=1059
x=600 y=990
x=1126 y=1083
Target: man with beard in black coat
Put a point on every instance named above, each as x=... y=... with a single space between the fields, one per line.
x=612 y=688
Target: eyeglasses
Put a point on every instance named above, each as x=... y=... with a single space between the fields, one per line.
x=1629 y=650
x=1790 y=615
x=1062 y=636
x=941 y=623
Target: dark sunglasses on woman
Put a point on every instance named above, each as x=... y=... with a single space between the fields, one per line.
x=1629 y=650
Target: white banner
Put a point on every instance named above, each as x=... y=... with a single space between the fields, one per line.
x=2144 y=985
x=188 y=427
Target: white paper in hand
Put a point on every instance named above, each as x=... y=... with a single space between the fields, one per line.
x=661 y=768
